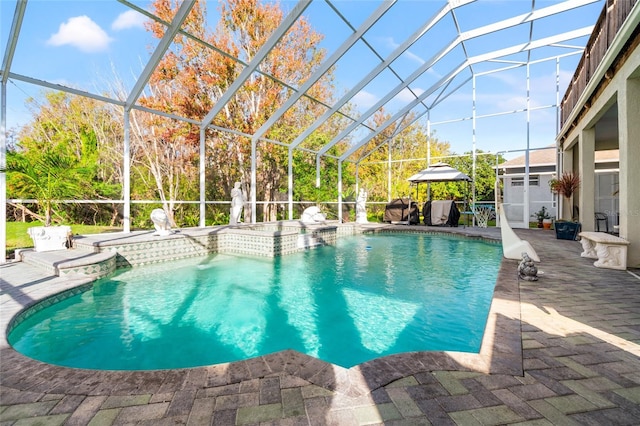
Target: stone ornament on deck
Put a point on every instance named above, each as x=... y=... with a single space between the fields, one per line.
x=527 y=269
x=312 y=215
x=160 y=222
x=49 y=238
x=361 y=207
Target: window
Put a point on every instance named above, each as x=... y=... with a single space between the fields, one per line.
x=534 y=180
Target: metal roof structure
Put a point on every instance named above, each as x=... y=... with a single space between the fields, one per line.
x=445 y=48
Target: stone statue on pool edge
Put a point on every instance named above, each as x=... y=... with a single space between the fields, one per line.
x=361 y=207
x=161 y=222
x=237 y=204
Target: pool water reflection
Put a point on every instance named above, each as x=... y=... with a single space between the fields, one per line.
x=369 y=296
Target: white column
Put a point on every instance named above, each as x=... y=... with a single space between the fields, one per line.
x=290 y=182
x=340 y=191
x=586 y=193
x=126 y=174
x=526 y=187
x=203 y=198
x=628 y=131
x=254 y=165
x=3 y=174
x=388 y=172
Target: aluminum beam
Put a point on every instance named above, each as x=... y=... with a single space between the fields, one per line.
x=474 y=60
x=462 y=37
x=264 y=50
x=159 y=52
x=437 y=17
x=326 y=65
x=12 y=42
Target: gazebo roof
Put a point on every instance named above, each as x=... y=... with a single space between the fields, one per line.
x=439 y=172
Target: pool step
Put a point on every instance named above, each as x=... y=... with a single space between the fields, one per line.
x=71 y=261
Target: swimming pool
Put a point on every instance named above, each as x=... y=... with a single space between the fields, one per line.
x=369 y=296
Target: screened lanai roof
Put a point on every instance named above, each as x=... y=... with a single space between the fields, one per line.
x=419 y=60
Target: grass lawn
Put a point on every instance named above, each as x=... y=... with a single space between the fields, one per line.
x=17 y=236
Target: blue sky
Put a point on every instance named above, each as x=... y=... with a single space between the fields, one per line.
x=86 y=44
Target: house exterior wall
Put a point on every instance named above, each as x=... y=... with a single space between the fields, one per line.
x=539 y=195
x=623 y=90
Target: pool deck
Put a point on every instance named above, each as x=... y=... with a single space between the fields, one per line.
x=563 y=350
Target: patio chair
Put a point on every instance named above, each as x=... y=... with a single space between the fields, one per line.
x=602 y=217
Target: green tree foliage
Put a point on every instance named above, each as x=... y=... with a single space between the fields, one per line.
x=191 y=79
x=49 y=177
x=408 y=156
x=485 y=178
x=69 y=143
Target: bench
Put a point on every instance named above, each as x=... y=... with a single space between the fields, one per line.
x=611 y=251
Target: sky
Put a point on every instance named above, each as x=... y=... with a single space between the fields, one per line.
x=88 y=44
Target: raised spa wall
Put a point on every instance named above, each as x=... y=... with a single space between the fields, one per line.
x=267 y=240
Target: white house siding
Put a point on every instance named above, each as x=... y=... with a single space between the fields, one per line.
x=539 y=195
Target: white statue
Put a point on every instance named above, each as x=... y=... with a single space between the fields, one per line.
x=160 y=222
x=361 y=207
x=237 y=204
x=312 y=215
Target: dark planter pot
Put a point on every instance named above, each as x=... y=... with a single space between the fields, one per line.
x=567 y=230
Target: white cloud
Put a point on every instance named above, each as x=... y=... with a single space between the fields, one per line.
x=81 y=32
x=390 y=41
x=406 y=96
x=128 y=19
x=415 y=58
x=364 y=99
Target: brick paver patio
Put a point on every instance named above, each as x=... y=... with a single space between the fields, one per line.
x=572 y=359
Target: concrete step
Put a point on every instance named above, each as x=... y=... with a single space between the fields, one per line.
x=71 y=261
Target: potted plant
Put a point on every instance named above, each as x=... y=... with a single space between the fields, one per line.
x=566 y=185
x=542 y=215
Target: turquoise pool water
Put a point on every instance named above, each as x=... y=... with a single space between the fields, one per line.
x=369 y=296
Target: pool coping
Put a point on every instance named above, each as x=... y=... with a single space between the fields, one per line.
x=500 y=353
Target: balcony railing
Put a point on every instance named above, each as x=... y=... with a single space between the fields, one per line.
x=609 y=23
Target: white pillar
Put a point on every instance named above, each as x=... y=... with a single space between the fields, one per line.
x=628 y=131
x=340 y=191
x=3 y=174
x=126 y=174
x=254 y=163
x=586 y=194
x=388 y=172
x=203 y=199
x=526 y=187
x=290 y=182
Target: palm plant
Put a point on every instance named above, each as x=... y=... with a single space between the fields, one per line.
x=566 y=185
x=50 y=177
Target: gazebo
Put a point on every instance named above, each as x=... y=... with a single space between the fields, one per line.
x=440 y=172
